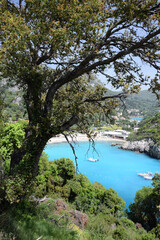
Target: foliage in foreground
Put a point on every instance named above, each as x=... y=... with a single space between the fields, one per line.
x=21 y=219
x=57 y=179
x=11 y=136
x=145 y=208
x=26 y=221
x=60 y=180
x=29 y=221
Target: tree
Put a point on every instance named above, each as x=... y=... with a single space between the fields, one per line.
x=11 y=139
x=1 y=129
x=145 y=208
x=77 y=38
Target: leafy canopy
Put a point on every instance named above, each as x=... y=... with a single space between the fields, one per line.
x=77 y=37
x=50 y=48
x=145 y=208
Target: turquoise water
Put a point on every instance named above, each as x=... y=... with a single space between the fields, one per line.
x=115 y=169
x=137 y=118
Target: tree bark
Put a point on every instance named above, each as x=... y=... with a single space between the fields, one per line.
x=32 y=148
x=34 y=143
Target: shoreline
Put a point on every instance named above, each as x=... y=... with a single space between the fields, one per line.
x=83 y=138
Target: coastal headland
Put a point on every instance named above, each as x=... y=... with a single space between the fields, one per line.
x=143 y=146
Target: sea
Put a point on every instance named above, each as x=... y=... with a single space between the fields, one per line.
x=116 y=168
x=138 y=119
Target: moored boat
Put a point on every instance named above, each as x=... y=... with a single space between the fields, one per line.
x=93 y=159
x=147 y=175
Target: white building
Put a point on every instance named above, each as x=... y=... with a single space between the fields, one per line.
x=121 y=134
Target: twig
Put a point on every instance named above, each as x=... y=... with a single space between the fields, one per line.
x=56 y=221
x=73 y=150
x=39 y=238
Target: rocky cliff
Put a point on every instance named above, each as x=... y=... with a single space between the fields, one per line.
x=143 y=146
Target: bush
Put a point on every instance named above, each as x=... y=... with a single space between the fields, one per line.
x=127 y=223
x=26 y=221
x=119 y=233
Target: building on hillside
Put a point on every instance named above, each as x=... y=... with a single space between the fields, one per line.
x=136 y=129
x=120 y=134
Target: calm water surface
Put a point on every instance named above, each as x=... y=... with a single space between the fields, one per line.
x=115 y=169
x=137 y=118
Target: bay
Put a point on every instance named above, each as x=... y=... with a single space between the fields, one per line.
x=116 y=168
x=137 y=118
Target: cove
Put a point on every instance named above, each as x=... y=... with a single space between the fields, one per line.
x=137 y=118
x=115 y=169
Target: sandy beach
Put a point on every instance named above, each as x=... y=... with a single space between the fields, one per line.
x=83 y=137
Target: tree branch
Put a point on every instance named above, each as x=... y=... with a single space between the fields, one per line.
x=120 y=95
x=73 y=120
x=122 y=53
x=73 y=150
x=81 y=68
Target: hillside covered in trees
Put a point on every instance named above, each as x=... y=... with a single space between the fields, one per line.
x=149 y=128
x=145 y=101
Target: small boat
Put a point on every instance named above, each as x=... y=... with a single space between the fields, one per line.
x=147 y=175
x=93 y=159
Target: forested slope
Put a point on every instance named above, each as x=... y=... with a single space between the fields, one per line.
x=145 y=101
x=149 y=128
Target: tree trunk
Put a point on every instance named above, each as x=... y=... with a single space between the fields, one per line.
x=30 y=152
x=35 y=140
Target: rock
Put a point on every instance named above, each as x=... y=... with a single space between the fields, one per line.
x=138 y=225
x=113 y=144
x=32 y=198
x=79 y=218
x=154 y=151
x=60 y=205
x=113 y=226
x=143 y=146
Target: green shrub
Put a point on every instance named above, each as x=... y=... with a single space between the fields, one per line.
x=11 y=139
x=156 y=231
x=148 y=236
x=26 y=221
x=119 y=233
x=98 y=227
x=127 y=222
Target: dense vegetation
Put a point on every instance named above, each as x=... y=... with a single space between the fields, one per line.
x=24 y=216
x=145 y=209
x=149 y=128
x=145 y=101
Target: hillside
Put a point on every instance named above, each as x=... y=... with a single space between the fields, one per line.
x=149 y=128
x=145 y=101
